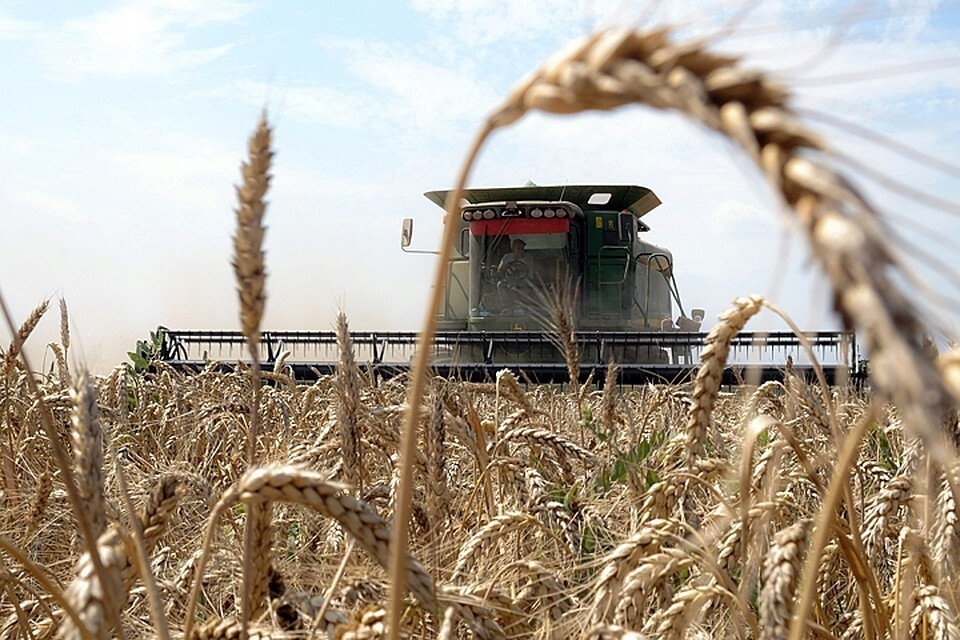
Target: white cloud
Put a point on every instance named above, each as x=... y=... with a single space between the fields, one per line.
x=393 y=90
x=136 y=39
x=197 y=179
x=311 y=103
x=44 y=205
x=738 y=218
x=426 y=94
x=487 y=22
x=15 y=29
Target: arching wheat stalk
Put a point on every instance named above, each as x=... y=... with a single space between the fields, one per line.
x=613 y=68
x=248 y=266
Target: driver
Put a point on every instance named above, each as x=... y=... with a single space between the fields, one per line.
x=514 y=268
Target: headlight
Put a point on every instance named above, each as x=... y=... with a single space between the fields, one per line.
x=466 y=216
x=561 y=213
x=536 y=213
x=489 y=214
x=549 y=213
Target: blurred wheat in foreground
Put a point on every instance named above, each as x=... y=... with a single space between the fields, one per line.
x=785 y=510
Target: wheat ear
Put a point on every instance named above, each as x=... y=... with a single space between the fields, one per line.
x=38 y=503
x=624 y=559
x=540 y=437
x=947 y=531
x=882 y=508
x=671 y=624
x=261 y=518
x=88 y=594
x=713 y=361
x=438 y=495
x=16 y=346
x=301 y=486
x=348 y=406
x=493 y=529
x=64 y=341
x=88 y=451
x=934 y=613
x=217 y=628
x=248 y=261
x=781 y=569
x=639 y=582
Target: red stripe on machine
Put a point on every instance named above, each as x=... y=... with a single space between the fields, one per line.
x=519 y=226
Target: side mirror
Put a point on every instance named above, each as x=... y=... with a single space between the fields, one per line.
x=406 y=237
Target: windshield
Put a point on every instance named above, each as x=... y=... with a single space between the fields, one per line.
x=510 y=272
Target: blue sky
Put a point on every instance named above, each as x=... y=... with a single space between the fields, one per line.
x=124 y=123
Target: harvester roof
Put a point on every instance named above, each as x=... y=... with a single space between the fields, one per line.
x=633 y=198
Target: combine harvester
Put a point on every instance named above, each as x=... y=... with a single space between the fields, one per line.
x=521 y=253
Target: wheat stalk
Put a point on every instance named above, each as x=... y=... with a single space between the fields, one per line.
x=613 y=68
x=250 y=272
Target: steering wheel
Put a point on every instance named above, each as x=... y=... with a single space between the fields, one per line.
x=516 y=272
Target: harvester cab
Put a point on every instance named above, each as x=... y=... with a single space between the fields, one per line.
x=521 y=251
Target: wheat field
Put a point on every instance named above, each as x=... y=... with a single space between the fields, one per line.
x=159 y=504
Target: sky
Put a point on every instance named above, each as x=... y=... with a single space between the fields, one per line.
x=123 y=124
